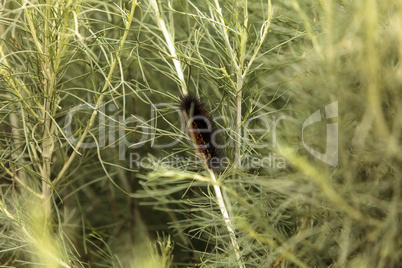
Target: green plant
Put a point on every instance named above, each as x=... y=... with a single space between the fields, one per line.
x=88 y=93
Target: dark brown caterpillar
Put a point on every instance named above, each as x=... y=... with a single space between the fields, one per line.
x=201 y=127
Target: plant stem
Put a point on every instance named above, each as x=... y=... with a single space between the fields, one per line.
x=226 y=218
x=218 y=192
x=170 y=45
x=102 y=94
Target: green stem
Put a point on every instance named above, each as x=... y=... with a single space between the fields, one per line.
x=102 y=95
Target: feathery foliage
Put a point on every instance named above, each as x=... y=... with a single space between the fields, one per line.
x=97 y=168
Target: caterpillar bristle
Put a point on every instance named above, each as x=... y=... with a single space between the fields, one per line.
x=201 y=126
x=189 y=102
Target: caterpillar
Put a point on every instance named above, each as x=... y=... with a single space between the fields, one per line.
x=201 y=127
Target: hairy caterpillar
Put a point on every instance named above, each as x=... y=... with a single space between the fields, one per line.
x=201 y=127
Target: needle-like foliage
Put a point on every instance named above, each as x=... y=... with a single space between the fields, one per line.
x=97 y=167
